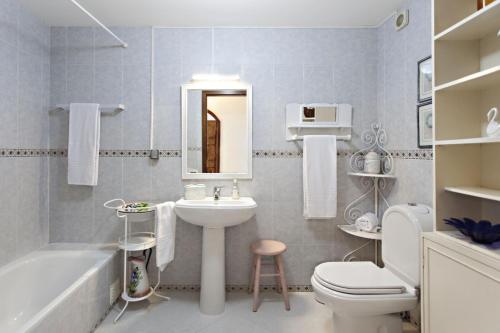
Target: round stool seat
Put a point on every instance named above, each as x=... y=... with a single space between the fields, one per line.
x=268 y=247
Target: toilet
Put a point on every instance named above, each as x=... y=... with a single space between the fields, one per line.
x=367 y=299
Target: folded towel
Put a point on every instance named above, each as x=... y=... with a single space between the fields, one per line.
x=165 y=234
x=83 y=144
x=320 y=176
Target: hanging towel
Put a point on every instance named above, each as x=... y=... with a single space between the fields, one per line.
x=165 y=234
x=320 y=176
x=83 y=144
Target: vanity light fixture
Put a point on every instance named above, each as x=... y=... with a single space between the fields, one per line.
x=215 y=77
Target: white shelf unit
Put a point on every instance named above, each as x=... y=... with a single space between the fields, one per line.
x=466 y=55
x=471 y=141
x=476 y=192
x=476 y=81
x=297 y=127
x=474 y=26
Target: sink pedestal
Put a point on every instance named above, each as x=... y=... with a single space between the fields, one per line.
x=214 y=215
x=213 y=283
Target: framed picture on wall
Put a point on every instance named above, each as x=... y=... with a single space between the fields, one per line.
x=424 y=123
x=425 y=80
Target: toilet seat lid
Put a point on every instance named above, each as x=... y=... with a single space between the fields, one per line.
x=358 y=278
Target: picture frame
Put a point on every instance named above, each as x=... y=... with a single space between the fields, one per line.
x=425 y=125
x=424 y=74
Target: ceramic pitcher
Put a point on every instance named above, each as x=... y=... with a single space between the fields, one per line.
x=139 y=281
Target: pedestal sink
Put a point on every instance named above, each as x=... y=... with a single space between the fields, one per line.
x=214 y=216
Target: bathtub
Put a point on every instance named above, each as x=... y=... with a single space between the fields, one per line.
x=60 y=288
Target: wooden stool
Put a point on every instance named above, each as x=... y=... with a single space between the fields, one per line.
x=274 y=249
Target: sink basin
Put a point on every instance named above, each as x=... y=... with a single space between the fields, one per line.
x=211 y=213
x=214 y=216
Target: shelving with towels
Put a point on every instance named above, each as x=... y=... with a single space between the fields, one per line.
x=318 y=119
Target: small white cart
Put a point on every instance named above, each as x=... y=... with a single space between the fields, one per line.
x=134 y=241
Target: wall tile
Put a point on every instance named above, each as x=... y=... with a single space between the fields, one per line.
x=137 y=179
x=106 y=49
x=168 y=46
x=8 y=217
x=196 y=46
x=80 y=46
x=318 y=84
x=261 y=77
x=259 y=46
x=24 y=92
x=9 y=15
x=32 y=224
x=167 y=126
x=71 y=206
x=30 y=33
x=80 y=81
x=138 y=52
x=228 y=46
x=107 y=227
x=289 y=45
x=8 y=94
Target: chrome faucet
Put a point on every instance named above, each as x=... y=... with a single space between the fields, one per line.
x=217 y=190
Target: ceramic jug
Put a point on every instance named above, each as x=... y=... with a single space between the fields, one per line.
x=139 y=281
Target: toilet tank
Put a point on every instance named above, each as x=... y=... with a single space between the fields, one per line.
x=402 y=226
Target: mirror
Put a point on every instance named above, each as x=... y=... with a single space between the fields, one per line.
x=216 y=130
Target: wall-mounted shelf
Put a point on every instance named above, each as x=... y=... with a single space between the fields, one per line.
x=371 y=175
x=297 y=127
x=483 y=140
x=477 y=81
x=473 y=191
x=475 y=26
x=350 y=229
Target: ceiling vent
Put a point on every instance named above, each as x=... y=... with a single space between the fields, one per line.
x=402 y=19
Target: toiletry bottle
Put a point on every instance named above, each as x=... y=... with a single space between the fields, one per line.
x=236 y=190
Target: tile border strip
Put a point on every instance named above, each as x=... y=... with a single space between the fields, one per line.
x=232 y=288
x=417 y=154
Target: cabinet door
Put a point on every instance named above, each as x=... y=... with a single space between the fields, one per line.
x=460 y=295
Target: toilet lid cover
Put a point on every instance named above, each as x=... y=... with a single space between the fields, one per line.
x=358 y=278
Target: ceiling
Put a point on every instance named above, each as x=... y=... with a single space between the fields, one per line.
x=234 y=13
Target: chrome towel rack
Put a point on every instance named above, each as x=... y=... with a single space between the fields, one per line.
x=112 y=107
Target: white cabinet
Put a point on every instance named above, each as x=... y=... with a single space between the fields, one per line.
x=460 y=288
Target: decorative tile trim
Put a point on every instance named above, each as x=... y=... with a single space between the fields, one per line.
x=233 y=288
x=289 y=153
x=417 y=154
x=6 y=152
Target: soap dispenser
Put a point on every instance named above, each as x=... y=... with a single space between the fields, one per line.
x=236 y=190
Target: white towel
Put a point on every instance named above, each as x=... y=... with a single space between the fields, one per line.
x=83 y=144
x=320 y=176
x=165 y=234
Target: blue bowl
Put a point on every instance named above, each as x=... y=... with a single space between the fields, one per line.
x=482 y=232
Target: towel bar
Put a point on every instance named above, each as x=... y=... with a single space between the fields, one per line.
x=113 y=107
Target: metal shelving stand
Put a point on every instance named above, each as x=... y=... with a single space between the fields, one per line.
x=134 y=241
x=374 y=140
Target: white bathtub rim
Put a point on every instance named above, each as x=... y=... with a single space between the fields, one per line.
x=106 y=257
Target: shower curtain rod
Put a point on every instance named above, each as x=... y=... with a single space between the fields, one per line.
x=123 y=44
